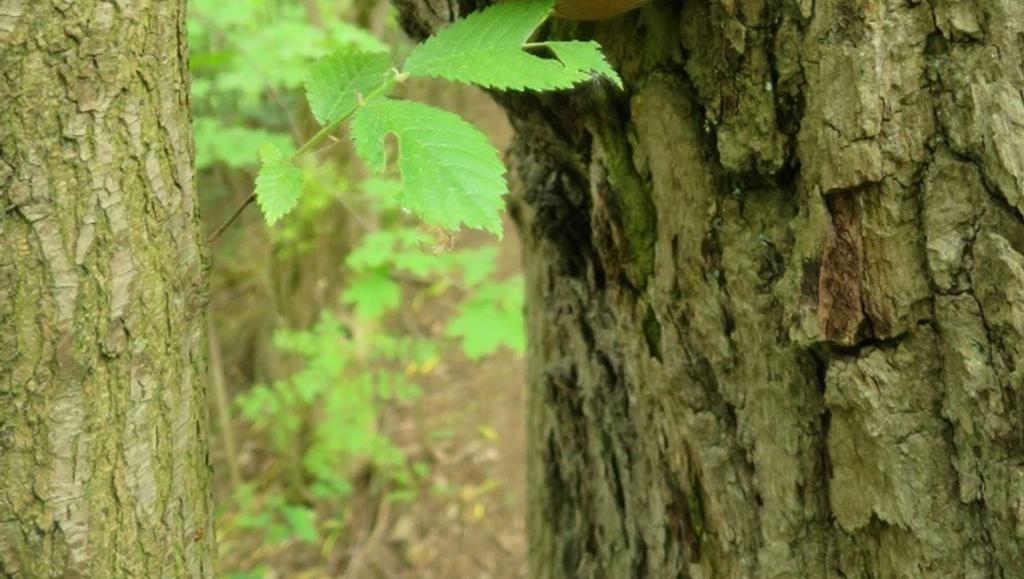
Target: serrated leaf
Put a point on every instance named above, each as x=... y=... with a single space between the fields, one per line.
x=585 y=57
x=336 y=81
x=487 y=49
x=451 y=174
x=278 y=185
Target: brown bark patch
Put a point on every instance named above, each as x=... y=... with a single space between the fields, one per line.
x=840 y=308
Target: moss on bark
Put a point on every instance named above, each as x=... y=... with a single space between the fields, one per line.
x=104 y=469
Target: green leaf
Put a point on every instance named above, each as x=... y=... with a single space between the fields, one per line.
x=302 y=521
x=336 y=82
x=487 y=49
x=278 y=185
x=585 y=57
x=493 y=317
x=476 y=264
x=373 y=294
x=376 y=250
x=451 y=174
x=399 y=248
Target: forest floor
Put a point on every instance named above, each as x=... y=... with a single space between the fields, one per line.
x=467 y=521
x=470 y=426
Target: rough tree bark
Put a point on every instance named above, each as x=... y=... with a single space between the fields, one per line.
x=103 y=461
x=777 y=292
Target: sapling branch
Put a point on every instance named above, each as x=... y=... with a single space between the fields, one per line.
x=452 y=176
x=321 y=135
x=230 y=220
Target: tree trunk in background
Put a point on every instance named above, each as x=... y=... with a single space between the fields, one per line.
x=777 y=293
x=103 y=460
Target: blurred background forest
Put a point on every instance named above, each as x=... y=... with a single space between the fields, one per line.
x=367 y=391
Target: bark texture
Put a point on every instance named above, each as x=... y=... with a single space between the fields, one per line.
x=776 y=289
x=104 y=467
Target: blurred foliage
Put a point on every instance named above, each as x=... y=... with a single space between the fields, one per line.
x=312 y=430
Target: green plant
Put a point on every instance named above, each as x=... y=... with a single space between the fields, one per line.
x=321 y=422
x=490 y=318
x=317 y=428
x=238 y=56
x=325 y=415
x=490 y=314
x=271 y=514
x=451 y=175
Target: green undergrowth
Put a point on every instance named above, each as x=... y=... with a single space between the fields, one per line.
x=271 y=88
x=275 y=82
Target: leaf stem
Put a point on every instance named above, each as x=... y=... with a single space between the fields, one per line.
x=333 y=126
x=309 y=145
x=234 y=217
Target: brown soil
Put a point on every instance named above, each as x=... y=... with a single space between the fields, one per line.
x=470 y=428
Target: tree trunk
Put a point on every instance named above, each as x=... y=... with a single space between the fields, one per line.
x=776 y=293
x=103 y=460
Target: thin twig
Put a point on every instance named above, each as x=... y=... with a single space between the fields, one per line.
x=276 y=96
x=310 y=145
x=223 y=405
x=364 y=550
x=234 y=217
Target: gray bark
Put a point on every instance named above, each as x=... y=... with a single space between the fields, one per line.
x=776 y=292
x=104 y=469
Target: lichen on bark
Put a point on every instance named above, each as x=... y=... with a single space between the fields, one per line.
x=104 y=470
